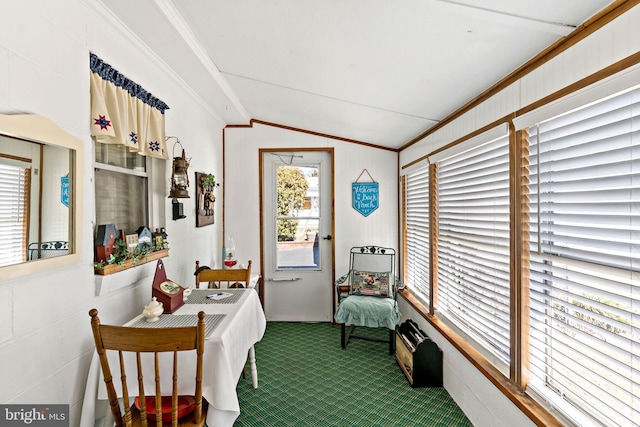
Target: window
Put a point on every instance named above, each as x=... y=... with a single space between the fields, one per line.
x=14 y=211
x=585 y=260
x=577 y=236
x=297 y=186
x=127 y=123
x=121 y=187
x=416 y=215
x=473 y=243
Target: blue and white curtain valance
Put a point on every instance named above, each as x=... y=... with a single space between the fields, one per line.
x=122 y=112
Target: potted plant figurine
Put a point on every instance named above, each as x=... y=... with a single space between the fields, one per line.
x=208 y=183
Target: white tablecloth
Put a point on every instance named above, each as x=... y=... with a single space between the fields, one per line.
x=225 y=354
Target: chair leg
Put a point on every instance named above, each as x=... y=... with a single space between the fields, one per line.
x=345 y=335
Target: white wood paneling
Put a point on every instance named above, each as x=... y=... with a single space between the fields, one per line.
x=615 y=41
x=352 y=229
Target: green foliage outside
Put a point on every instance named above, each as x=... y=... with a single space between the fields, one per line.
x=121 y=253
x=292 y=187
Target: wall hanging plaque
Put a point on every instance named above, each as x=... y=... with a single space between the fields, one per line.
x=365 y=195
x=205 y=184
x=64 y=190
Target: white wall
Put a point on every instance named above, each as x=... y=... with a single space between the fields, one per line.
x=45 y=335
x=478 y=398
x=351 y=228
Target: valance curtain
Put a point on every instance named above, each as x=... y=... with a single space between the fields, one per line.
x=122 y=112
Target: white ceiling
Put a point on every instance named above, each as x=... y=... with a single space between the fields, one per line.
x=376 y=71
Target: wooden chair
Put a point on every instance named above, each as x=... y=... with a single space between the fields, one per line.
x=219 y=278
x=145 y=409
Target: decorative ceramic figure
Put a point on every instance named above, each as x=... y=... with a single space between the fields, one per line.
x=153 y=310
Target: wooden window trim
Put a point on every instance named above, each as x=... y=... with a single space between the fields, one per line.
x=27 y=212
x=519 y=276
x=403 y=227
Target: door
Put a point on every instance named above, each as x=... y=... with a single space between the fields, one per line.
x=297 y=227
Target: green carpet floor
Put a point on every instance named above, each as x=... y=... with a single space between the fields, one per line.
x=306 y=379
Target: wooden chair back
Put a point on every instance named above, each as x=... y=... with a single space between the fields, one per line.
x=125 y=339
x=223 y=278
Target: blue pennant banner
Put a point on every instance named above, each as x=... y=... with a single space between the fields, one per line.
x=365 y=197
x=64 y=190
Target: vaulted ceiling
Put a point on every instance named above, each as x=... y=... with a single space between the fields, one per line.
x=376 y=71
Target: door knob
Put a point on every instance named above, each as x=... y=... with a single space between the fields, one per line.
x=327 y=237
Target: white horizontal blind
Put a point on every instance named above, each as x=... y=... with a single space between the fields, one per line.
x=585 y=260
x=121 y=181
x=12 y=214
x=473 y=243
x=416 y=275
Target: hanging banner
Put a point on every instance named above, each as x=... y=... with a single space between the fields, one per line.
x=64 y=190
x=365 y=195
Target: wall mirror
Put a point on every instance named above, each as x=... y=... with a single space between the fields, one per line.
x=40 y=189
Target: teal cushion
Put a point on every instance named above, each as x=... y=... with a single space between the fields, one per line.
x=365 y=311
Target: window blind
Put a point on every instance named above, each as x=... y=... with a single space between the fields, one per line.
x=585 y=259
x=416 y=274
x=473 y=243
x=13 y=214
x=121 y=199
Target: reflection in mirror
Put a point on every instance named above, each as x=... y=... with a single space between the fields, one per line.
x=34 y=201
x=37 y=192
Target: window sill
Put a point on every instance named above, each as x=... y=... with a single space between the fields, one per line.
x=114 y=268
x=112 y=279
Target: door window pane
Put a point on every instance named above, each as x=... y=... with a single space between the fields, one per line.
x=298 y=217
x=303 y=251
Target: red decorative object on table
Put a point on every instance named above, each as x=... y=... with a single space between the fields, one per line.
x=170 y=294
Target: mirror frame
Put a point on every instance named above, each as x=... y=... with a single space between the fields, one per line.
x=34 y=128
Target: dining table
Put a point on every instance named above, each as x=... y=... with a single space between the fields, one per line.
x=234 y=322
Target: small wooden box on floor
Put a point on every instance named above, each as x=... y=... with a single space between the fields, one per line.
x=419 y=358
